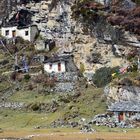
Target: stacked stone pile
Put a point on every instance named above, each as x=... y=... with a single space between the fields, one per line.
x=64 y=87
x=65 y=82
x=103 y=120
x=110 y=121
x=68 y=76
x=84 y=127
x=11 y=105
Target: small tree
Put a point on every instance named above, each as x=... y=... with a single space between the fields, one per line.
x=102 y=76
x=27 y=77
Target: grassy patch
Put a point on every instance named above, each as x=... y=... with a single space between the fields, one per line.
x=11 y=119
x=89 y=103
x=31 y=97
x=86 y=105
x=4 y=85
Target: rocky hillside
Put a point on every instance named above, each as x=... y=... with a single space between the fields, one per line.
x=124 y=89
x=102 y=37
x=88 y=29
x=60 y=21
x=6 y=7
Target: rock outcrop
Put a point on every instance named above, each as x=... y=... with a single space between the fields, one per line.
x=125 y=90
x=55 y=21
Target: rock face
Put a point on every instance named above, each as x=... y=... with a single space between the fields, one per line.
x=70 y=37
x=6 y=7
x=64 y=87
x=65 y=82
x=125 y=90
x=122 y=93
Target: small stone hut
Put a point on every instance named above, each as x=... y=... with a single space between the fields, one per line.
x=124 y=110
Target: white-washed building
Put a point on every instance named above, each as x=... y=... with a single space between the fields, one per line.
x=60 y=64
x=19 y=24
x=26 y=32
x=55 y=64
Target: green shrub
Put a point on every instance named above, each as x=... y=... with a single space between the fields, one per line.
x=136 y=1
x=27 y=77
x=102 y=76
x=34 y=106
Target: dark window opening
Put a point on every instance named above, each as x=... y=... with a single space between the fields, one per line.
x=26 y=33
x=50 y=66
x=7 y=32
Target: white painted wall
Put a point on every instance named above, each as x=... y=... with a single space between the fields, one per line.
x=54 y=67
x=3 y=30
x=102 y=1
x=21 y=33
x=32 y=31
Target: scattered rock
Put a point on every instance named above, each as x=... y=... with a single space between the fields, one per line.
x=11 y=105
x=64 y=87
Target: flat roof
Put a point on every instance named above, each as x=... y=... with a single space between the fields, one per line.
x=125 y=106
x=57 y=58
x=18 y=27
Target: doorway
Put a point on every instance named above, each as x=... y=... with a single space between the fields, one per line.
x=59 y=66
x=14 y=33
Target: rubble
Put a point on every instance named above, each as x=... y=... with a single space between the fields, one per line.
x=65 y=82
x=103 y=120
x=67 y=76
x=11 y=105
x=84 y=127
x=64 y=87
x=58 y=123
x=110 y=121
x=87 y=128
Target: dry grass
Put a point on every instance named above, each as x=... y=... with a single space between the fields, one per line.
x=48 y=135
x=96 y=136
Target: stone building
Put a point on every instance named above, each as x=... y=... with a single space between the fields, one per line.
x=60 y=64
x=19 y=24
x=125 y=110
x=27 y=33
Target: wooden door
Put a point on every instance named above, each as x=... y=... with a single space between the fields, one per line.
x=59 y=66
x=14 y=33
x=120 y=116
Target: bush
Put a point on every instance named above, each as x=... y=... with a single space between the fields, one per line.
x=19 y=40
x=13 y=76
x=94 y=58
x=102 y=76
x=27 y=77
x=126 y=82
x=50 y=83
x=82 y=68
x=34 y=106
x=132 y=54
x=42 y=78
